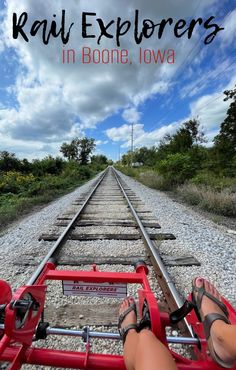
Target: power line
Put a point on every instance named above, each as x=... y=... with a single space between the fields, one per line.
x=209 y=101
x=181 y=66
x=194 y=87
x=206 y=76
x=191 y=51
x=198 y=43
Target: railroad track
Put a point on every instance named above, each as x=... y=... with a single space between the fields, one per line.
x=110 y=227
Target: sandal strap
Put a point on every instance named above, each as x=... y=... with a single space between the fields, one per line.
x=220 y=304
x=124 y=331
x=122 y=316
x=201 y=292
x=144 y=324
x=208 y=321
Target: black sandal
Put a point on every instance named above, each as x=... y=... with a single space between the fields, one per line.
x=145 y=322
x=209 y=319
x=198 y=302
x=124 y=331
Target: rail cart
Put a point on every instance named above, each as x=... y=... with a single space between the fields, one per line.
x=22 y=321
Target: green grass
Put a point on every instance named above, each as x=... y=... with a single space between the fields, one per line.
x=147 y=177
x=40 y=192
x=219 y=202
x=210 y=193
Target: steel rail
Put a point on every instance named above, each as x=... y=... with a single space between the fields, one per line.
x=110 y=335
x=116 y=336
x=151 y=248
x=65 y=233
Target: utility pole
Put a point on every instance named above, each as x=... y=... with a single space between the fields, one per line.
x=132 y=143
x=119 y=153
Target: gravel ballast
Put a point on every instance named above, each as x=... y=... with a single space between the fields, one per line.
x=211 y=244
x=22 y=237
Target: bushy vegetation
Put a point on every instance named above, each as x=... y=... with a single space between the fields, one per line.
x=200 y=175
x=221 y=202
x=24 y=184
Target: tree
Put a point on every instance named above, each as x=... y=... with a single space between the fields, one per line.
x=126 y=158
x=177 y=168
x=26 y=166
x=225 y=141
x=78 y=150
x=85 y=148
x=99 y=159
x=9 y=162
x=193 y=127
x=145 y=156
x=187 y=137
x=70 y=151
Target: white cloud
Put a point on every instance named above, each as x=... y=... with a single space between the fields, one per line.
x=2 y=15
x=154 y=137
x=210 y=136
x=131 y=115
x=227 y=36
x=222 y=72
x=101 y=142
x=141 y=138
x=28 y=149
x=57 y=102
x=123 y=132
x=1 y=45
x=211 y=109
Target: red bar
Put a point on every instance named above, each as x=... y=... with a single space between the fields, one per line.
x=5 y=340
x=49 y=266
x=95 y=277
x=75 y=360
x=66 y=359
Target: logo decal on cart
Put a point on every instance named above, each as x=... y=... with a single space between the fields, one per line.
x=94 y=290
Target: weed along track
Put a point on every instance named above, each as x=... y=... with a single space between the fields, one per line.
x=103 y=247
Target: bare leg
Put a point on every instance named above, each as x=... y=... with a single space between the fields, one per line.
x=223 y=335
x=144 y=351
x=151 y=354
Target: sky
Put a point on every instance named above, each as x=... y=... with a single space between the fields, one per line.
x=45 y=102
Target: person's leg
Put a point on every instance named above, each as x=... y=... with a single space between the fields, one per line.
x=131 y=340
x=224 y=338
x=151 y=354
x=143 y=350
x=223 y=335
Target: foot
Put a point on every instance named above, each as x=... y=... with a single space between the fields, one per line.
x=207 y=307
x=131 y=317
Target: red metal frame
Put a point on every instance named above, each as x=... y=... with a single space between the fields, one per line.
x=16 y=343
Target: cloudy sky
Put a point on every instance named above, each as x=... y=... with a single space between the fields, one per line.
x=44 y=102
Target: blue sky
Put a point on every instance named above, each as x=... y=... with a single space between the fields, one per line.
x=44 y=102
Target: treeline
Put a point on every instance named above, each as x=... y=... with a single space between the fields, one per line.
x=25 y=183
x=183 y=162
x=78 y=151
x=49 y=165
x=182 y=155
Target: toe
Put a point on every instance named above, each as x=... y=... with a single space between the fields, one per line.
x=208 y=287
x=123 y=305
x=198 y=282
x=131 y=300
x=208 y=305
